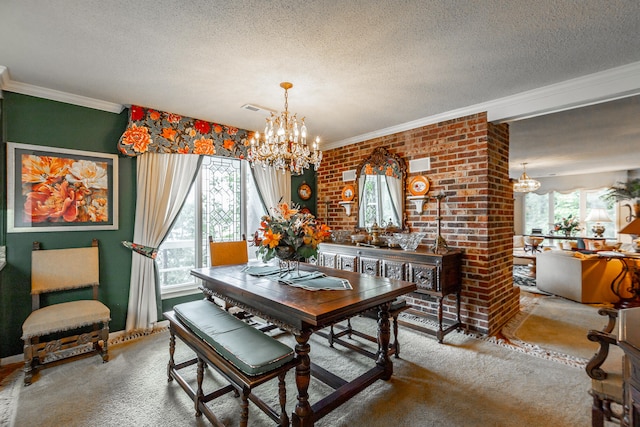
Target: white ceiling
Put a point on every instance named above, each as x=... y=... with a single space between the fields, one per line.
x=359 y=68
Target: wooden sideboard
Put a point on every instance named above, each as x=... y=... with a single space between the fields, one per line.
x=437 y=275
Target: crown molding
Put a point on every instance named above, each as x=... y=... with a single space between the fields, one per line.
x=55 y=95
x=604 y=86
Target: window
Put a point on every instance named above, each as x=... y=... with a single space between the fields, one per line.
x=544 y=210
x=228 y=206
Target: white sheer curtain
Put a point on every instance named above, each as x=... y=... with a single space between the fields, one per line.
x=163 y=182
x=274 y=186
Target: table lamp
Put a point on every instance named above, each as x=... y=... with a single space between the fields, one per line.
x=633 y=228
x=598 y=215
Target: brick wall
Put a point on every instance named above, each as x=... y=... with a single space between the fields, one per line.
x=469 y=162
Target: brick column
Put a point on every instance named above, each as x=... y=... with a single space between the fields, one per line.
x=469 y=162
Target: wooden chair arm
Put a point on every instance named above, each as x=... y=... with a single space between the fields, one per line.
x=612 y=313
x=593 y=366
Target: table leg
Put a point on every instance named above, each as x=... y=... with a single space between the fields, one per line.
x=384 y=334
x=303 y=414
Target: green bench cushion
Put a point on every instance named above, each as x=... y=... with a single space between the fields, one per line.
x=247 y=348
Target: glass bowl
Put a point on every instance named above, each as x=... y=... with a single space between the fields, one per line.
x=340 y=236
x=408 y=241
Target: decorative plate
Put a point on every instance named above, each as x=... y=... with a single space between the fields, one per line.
x=418 y=186
x=304 y=191
x=348 y=193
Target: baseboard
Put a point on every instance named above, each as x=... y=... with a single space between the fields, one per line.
x=114 y=338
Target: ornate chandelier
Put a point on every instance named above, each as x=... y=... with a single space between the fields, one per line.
x=524 y=183
x=283 y=144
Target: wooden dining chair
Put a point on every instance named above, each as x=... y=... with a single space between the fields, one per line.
x=230 y=253
x=64 y=330
x=605 y=369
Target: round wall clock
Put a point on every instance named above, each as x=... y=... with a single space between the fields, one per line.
x=418 y=186
x=304 y=191
x=348 y=193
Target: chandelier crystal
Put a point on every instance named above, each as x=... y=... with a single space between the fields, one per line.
x=283 y=145
x=524 y=183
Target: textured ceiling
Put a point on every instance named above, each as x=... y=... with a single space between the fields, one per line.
x=357 y=66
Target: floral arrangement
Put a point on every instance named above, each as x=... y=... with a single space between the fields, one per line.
x=567 y=225
x=289 y=234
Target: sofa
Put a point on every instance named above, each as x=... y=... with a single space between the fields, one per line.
x=576 y=276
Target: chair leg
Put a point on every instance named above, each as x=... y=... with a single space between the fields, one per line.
x=199 y=393
x=395 y=345
x=244 y=408
x=597 y=412
x=331 y=336
x=282 y=394
x=172 y=350
x=28 y=362
x=105 y=342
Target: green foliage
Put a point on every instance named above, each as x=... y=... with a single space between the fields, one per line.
x=623 y=191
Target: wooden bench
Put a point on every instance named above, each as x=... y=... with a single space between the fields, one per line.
x=64 y=325
x=397 y=307
x=243 y=355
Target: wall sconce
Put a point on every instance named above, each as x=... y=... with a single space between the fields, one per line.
x=346 y=206
x=418 y=201
x=348 y=194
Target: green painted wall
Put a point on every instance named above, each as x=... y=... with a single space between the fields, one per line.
x=309 y=177
x=38 y=121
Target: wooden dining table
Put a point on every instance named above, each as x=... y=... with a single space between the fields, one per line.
x=302 y=312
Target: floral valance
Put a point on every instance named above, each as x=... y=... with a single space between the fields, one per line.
x=152 y=131
x=389 y=168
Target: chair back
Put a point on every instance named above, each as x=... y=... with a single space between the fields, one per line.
x=227 y=253
x=60 y=269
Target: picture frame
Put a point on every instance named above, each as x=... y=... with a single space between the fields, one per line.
x=304 y=191
x=59 y=189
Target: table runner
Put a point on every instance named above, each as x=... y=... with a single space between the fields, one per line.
x=309 y=280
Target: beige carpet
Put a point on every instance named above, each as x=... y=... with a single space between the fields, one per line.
x=464 y=382
x=554 y=327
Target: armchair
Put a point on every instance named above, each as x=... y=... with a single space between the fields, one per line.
x=605 y=369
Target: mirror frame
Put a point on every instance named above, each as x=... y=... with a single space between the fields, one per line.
x=378 y=158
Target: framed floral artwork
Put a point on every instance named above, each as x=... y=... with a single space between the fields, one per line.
x=57 y=189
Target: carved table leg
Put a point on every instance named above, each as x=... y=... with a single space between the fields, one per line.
x=384 y=331
x=303 y=414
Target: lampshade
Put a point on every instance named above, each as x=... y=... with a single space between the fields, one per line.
x=524 y=183
x=632 y=228
x=598 y=215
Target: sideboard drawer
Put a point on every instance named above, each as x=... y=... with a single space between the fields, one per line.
x=348 y=263
x=327 y=259
x=425 y=276
x=370 y=266
x=393 y=269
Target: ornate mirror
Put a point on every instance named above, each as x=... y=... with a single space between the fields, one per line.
x=380 y=180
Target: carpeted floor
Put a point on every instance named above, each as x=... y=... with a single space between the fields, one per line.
x=522 y=278
x=464 y=382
